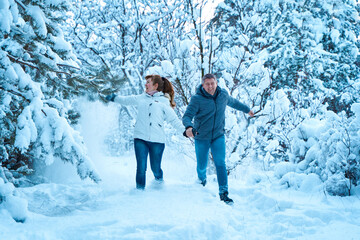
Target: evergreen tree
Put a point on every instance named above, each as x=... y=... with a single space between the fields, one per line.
x=318 y=47
x=295 y=61
x=35 y=66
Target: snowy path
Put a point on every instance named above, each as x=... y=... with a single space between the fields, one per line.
x=180 y=209
x=69 y=209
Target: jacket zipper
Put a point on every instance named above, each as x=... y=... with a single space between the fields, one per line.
x=212 y=132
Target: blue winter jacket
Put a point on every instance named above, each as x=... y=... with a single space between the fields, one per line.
x=208 y=112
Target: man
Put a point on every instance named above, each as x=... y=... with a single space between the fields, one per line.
x=207 y=108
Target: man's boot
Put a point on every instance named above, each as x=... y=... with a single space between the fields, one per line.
x=224 y=197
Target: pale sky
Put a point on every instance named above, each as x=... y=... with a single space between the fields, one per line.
x=209 y=8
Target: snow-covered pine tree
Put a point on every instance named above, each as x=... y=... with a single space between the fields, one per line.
x=309 y=49
x=35 y=63
x=313 y=54
x=314 y=48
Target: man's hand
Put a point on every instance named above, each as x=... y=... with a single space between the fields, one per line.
x=251 y=113
x=189 y=132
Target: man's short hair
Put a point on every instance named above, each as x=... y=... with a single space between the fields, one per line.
x=208 y=76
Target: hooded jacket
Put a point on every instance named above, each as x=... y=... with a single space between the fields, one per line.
x=208 y=112
x=153 y=111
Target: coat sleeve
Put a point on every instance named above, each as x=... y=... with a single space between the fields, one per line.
x=127 y=100
x=236 y=104
x=172 y=118
x=190 y=113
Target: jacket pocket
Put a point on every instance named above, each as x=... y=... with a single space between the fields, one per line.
x=198 y=126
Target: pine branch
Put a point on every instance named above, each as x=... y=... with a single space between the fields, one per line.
x=3 y=176
x=35 y=67
x=20 y=4
x=68 y=66
x=20 y=95
x=21 y=62
x=15 y=93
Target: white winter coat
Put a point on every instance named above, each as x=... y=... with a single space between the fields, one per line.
x=152 y=112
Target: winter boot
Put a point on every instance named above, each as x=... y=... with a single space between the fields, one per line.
x=202 y=182
x=224 y=197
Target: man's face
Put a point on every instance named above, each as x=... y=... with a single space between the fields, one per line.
x=210 y=85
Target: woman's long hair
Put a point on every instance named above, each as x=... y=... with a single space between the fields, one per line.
x=164 y=86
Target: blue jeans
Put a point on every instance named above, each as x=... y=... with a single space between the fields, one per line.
x=142 y=150
x=217 y=147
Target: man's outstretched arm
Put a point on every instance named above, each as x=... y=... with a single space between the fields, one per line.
x=236 y=104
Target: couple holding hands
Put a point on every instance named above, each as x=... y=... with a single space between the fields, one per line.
x=204 y=120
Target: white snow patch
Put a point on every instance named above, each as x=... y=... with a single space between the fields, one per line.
x=39 y=20
x=283 y=168
x=5 y=16
x=335 y=36
x=179 y=208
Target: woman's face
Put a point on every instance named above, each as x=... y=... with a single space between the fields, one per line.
x=149 y=86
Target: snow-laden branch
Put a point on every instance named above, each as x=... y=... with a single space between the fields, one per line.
x=21 y=62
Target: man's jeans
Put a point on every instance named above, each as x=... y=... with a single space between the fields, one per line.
x=217 y=147
x=142 y=150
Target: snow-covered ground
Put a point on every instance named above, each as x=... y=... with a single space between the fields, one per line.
x=178 y=209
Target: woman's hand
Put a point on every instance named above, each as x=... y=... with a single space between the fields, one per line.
x=110 y=97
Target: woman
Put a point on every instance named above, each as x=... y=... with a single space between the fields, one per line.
x=154 y=107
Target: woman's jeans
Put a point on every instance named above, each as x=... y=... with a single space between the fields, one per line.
x=142 y=150
x=217 y=147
